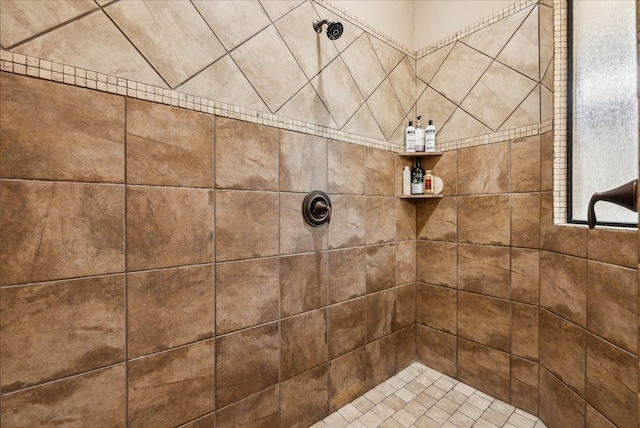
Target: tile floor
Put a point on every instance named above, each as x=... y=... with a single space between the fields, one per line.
x=420 y=397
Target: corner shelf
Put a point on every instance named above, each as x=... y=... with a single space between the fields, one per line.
x=419 y=154
x=421 y=196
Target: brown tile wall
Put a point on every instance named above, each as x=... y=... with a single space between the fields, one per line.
x=156 y=268
x=544 y=317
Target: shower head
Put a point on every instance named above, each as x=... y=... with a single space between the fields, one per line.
x=334 y=28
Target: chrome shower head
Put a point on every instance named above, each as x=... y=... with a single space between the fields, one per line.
x=334 y=28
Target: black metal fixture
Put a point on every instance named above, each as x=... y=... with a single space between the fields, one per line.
x=316 y=208
x=625 y=195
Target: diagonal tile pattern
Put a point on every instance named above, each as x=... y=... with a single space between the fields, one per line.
x=264 y=55
x=420 y=397
x=173 y=38
x=20 y=20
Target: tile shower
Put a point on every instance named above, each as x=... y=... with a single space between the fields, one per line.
x=156 y=269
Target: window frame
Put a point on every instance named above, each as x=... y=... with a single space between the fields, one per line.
x=569 y=126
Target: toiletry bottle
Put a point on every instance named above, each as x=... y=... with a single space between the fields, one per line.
x=417 y=179
x=430 y=138
x=406 y=181
x=410 y=138
x=428 y=183
x=419 y=137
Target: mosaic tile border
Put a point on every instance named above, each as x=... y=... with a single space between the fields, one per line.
x=48 y=70
x=507 y=11
x=560 y=203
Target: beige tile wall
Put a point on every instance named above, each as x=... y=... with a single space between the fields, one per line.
x=544 y=317
x=168 y=275
x=99 y=223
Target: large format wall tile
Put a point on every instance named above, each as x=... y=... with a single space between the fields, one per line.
x=303 y=283
x=346 y=168
x=484 y=320
x=279 y=65
x=237 y=286
x=238 y=235
x=612 y=304
x=524 y=331
x=561 y=407
x=563 y=286
x=381 y=267
x=484 y=368
x=346 y=327
x=405 y=306
x=167 y=308
x=484 y=169
x=348 y=278
x=438 y=220
x=437 y=307
x=261 y=409
x=60 y=329
x=525 y=275
x=96 y=398
x=21 y=20
x=484 y=269
x=303 y=162
x=304 y=399
x=296 y=235
x=168 y=227
x=173 y=37
x=437 y=350
x=459 y=72
x=562 y=350
x=172 y=387
x=93 y=43
x=380 y=173
x=381 y=360
x=338 y=91
x=612 y=379
x=364 y=66
x=522 y=51
x=499 y=91
x=224 y=16
x=246 y=155
x=437 y=263
x=347 y=378
x=168 y=146
x=259 y=350
x=491 y=212
x=72 y=134
x=347 y=227
x=405 y=262
x=524 y=385
x=381 y=314
x=525 y=164
x=525 y=220
x=303 y=343
x=380 y=220
x=60 y=230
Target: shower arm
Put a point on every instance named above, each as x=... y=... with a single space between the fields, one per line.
x=625 y=195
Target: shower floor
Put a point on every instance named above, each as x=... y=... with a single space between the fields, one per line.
x=421 y=397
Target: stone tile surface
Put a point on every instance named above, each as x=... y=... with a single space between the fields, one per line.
x=70 y=134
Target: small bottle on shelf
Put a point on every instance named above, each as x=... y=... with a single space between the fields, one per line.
x=406 y=181
x=430 y=138
x=410 y=138
x=419 y=137
x=417 y=179
x=428 y=183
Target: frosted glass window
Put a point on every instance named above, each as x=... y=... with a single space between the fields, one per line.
x=605 y=105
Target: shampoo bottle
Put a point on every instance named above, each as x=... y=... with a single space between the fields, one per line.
x=419 y=137
x=428 y=183
x=417 y=179
x=430 y=138
x=406 y=181
x=410 y=138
